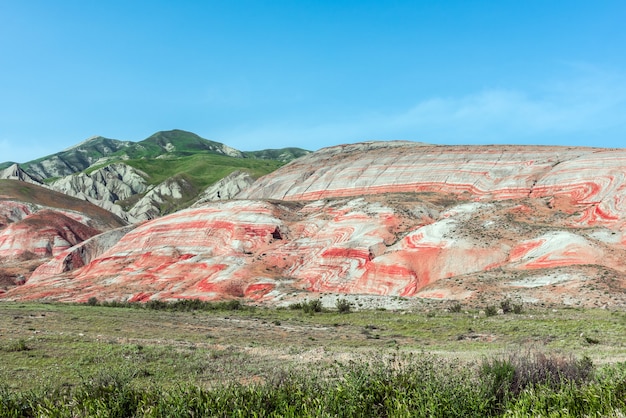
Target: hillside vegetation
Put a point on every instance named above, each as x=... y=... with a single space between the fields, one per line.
x=190 y=358
x=202 y=169
x=99 y=151
x=175 y=168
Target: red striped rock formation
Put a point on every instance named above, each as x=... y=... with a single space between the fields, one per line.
x=539 y=224
x=587 y=180
x=37 y=224
x=42 y=234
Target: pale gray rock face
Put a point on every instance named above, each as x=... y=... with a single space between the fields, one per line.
x=231 y=152
x=149 y=206
x=52 y=167
x=77 y=158
x=113 y=208
x=227 y=188
x=14 y=172
x=111 y=183
x=105 y=186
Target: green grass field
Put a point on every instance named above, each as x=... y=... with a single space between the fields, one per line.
x=169 y=360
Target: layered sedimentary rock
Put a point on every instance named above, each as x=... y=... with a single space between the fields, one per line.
x=42 y=234
x=398 y=246
x=583 y=176
x=37 y=224
x=110 y=183
x=536 y=224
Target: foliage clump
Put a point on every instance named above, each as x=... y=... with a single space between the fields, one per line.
x=343 y=306
x=15 y=346
x=180 y=305
x=308 y=306
x=523 y=384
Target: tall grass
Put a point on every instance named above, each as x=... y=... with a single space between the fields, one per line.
x=391 y=385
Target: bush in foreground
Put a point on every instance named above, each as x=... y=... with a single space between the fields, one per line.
x=180 y=305
x=392 y=385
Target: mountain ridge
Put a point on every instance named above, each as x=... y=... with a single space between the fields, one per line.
x=86 y=153
x=164 y=172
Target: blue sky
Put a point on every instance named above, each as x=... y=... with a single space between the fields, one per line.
x=271 y=74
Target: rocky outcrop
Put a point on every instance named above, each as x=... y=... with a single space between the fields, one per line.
x=37 y=224
x=160 y=199
x=226 y=188
x=83 y=253
x=534 y=224
x=483 y=172
x=44 y=233
x=399 y=245
x=105 y=187
x=110 y=183
x=75 y=159
x=15 y=172
x=118 y=183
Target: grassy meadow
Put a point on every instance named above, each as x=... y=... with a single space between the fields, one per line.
x=228 y=359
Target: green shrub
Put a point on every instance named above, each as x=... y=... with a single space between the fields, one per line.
x=505 y=379
x=491 y=310
x=92 y=301
x=312 y=306
x=455 y=307
x=343 y=305
x=118 y=304
x=399 y=385
x=497 y=376
x=15 y=346
x=506 y=306
x=156 y=305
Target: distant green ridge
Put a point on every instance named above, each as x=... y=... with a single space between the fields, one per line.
x=6 y=164
x=162 y=145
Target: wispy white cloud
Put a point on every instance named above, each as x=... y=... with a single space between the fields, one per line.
x=575 y=111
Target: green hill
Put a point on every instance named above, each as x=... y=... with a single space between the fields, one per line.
x=161 y=146
x=179 y=156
